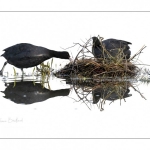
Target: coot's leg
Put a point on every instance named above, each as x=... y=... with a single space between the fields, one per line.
x=22 y=70
x=37 y=68
x=1 y=72
x=22 y=75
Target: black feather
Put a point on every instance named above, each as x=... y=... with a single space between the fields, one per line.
x=112 y=46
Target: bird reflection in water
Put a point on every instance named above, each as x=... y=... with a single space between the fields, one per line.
x=100 y=92
x=88 y=92
x=110 y=93
x=26 y=92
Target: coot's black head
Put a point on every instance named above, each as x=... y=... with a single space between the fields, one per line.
x=65 y=55
x=96 y=41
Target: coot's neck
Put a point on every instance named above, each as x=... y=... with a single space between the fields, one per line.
x=96 y=42
x=57 y=54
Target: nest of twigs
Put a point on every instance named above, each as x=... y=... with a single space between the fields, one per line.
x=91 y=68
x=86 y=66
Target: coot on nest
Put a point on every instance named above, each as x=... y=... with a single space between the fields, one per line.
x=112 y=46
x=26 y=55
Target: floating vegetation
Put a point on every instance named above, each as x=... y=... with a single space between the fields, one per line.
x=14 y=76
x=145 y=76
x=145 y=80
x=91 y=68
x=104 y=78
x=86 y=66
x=45 y=71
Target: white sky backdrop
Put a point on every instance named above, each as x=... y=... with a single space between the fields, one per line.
x=78 y=5
x=55 y=30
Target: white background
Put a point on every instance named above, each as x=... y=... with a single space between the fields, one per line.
x=78 y=5
x=55 y=30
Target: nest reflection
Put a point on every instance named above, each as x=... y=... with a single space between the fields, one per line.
x=89 y=91
x=98 y=93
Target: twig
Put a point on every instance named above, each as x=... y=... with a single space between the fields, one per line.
x=137 y=53
x=137 y=91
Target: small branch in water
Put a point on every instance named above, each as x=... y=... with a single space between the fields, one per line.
x=137 y=91
x=142 y=64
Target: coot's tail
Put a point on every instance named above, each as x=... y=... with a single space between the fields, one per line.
x=2 y=55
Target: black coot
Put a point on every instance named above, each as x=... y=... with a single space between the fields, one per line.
x=26 y=55
x=112 y=46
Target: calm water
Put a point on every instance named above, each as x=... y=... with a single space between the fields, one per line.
x=65 y=108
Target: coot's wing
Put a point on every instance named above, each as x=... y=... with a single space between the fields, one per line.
x=25 y=55
x=115 y=44
x=116 y=40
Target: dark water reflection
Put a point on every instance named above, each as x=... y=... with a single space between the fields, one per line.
x=101 y=91
x=109 y=94
x=88 y=92
x=28 y=92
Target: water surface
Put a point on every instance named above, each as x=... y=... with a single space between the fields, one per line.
x=65 y=108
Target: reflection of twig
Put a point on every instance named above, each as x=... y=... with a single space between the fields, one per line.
x=101 y=104
x=86 y=65
x=80 y=97
x=97 y=68
x=108 y=88
x=137 y=91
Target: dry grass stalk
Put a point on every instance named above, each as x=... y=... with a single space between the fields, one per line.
x=86 y=66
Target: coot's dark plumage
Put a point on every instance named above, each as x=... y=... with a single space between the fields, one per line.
x=26 y=55
x=112 y=46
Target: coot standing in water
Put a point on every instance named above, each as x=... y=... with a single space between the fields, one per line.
x=112 y=46
x=26 y=55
